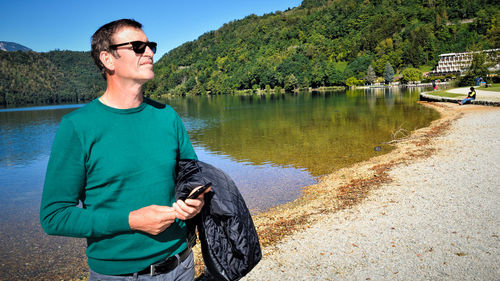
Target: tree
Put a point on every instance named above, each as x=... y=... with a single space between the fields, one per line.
x=411 y=74
x=334 y=76
x=290 y=83
x=388 y=73
x=352 y=81
x=493 y=33
x=268 y=89
x=318 y=75
x=360 y=64
x=380 y=64
x=370 y=75
x=477 y=69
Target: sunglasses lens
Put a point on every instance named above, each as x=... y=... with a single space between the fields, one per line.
x=140 y=47
x=152 y=46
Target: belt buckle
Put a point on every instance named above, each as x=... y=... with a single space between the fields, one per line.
x=152 y=270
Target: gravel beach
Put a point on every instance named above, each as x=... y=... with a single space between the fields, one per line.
x=436 y=219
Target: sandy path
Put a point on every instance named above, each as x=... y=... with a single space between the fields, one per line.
x=432 y=222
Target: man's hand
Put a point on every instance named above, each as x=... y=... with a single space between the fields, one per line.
x=191 y=207
x=152 y=219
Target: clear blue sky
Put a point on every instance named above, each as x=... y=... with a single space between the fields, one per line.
x=45 y=25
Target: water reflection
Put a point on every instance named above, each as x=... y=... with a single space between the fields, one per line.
x=317 y=132
x=26 y=134
x=26 y=137
x=263 y=186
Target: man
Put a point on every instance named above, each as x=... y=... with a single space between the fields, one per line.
x=117 y=156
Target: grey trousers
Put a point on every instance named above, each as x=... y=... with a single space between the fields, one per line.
x=183 y=272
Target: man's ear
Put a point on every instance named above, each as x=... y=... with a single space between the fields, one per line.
x=107 y=60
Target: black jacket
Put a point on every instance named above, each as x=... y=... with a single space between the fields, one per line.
x=229 y=242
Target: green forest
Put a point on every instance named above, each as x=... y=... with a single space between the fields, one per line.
x=327 y=43
x=48 y=78
x=320 y=43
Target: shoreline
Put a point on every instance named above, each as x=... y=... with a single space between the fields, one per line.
x=344 y=192
x=348 y=186
x=344 y=188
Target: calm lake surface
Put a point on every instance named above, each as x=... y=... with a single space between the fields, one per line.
x=271 y=145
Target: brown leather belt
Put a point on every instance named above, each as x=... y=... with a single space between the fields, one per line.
x=164 y=266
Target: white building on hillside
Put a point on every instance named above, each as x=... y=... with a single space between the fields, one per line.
x=457 y=63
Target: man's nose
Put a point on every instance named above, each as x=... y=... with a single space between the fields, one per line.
x=149 y=52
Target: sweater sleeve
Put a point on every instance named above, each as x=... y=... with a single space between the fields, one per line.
x=63 y=188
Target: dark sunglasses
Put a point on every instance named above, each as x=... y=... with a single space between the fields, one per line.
x=139 y=47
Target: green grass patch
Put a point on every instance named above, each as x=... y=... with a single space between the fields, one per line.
x=494 y=88
x=443 y=93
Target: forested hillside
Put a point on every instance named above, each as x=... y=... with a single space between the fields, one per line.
x=47 y=78
x=325 y=42
x=320 y=43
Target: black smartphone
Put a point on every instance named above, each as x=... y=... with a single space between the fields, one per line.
x=199 y=191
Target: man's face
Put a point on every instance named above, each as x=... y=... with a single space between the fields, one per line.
x=132 y=66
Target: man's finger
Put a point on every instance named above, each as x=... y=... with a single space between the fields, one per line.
x=182 y=213
x=165 y=209
x=187 y=207
x=195 y=203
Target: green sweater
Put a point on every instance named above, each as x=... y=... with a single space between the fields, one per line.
x=115 y=161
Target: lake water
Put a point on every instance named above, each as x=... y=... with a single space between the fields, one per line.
x=271 y=145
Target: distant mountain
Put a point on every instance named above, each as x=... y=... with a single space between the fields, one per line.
x=11 y=46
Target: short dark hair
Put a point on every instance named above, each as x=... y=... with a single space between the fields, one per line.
x=102 y=40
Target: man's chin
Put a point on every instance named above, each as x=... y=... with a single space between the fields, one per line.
x=148 y=75
x=146 y=78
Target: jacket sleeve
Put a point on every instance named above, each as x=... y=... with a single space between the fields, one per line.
x=189 y=176
x=63 y=187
